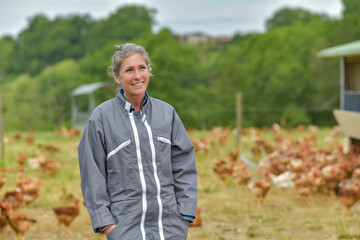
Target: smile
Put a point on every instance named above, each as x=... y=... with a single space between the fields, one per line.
x=137 y=84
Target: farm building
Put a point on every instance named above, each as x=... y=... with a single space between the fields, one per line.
x=348 y=116
x=83 y=102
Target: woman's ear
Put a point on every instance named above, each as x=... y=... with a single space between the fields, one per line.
x=117 y=79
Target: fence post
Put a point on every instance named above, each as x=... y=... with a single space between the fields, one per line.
x=2 y=144
x=238 y=118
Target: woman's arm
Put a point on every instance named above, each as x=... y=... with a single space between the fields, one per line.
x=183 y=168
x=92 y=160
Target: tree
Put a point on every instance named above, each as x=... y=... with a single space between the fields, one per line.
x=125 y=24
x=289 y=16
x=351 y=7
x=7 y=45
x=47 y=42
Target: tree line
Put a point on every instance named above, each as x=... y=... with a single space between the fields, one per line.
x=277 y=71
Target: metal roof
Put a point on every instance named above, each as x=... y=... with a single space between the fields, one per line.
x=88 y=88
x=347 y=49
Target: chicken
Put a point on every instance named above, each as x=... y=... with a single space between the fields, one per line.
x=284 y=180
x=348 y=193
x=51 y=148
x=3 y=221
x=241 y=174
x=19 y=222
x=221 y=169
x=332 y=177
x=304 y=187
x=29 y=140
x=261 y=188
x=68 y=133
x=356 y=174
x=50 y=167
x=67 y=214
x=31 y=190
x=21 y=158
x=223 y=135
x=234 y=154
x=198 y=221
x=14 y=197
x=2 y=177
x=297 y=166
x=318 y=184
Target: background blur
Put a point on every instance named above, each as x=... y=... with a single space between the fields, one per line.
x=203 y=53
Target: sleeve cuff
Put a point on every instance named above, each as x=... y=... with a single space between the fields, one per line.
x=189 y=218
x=101 y=220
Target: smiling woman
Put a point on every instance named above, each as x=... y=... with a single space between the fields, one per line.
x=137 y=163
x=134 y=78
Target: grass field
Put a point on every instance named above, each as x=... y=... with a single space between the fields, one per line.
x=229 y=211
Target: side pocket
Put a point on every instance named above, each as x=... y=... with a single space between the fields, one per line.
x=121 y=146
x=165 y=140
x=124 y=229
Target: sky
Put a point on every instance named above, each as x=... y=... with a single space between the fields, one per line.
x=212 y=17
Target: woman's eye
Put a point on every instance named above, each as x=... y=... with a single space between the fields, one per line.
x=128 y=70
x=142 y=67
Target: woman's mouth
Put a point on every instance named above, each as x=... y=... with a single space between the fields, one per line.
x=137 y=84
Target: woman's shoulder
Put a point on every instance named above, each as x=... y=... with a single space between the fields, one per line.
x=161 y=103
x=106 y=106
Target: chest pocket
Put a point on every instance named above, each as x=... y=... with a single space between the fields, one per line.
x=164 y=158
x=121 y=167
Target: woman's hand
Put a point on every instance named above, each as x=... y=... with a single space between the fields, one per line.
x=108 y=229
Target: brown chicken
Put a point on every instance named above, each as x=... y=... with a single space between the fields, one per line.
x=50 y=167
x=221 y=167
x=261 y=188
x=14 y=197
x=19 y=222
x=304 y=187
x=31 y=190
x=348 y=194
x=234 y=154
x=198 y=221
x=3 y=221
x=332 y=177
x=241 y=174
x=67 y=214
x=318 y=184
x=21 y=158
x=2 y=177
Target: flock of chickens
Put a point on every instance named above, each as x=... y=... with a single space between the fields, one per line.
x=289 y=162
x=27 y=189
x=284 y=161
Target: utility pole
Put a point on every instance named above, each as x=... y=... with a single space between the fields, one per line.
x=2 y=145
x=238 y=118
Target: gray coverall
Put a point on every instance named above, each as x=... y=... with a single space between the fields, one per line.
x=138 y=170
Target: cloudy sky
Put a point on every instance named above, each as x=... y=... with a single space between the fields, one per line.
x=214 y=17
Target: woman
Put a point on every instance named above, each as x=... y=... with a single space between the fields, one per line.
x=137 y=164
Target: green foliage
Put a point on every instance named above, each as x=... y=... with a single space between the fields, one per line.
x=47 y=42
x=42 y=102
x=125 y=24
x=351 y=7
x=277 y=72
x=289 y=16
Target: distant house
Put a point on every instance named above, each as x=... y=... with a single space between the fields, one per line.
x=200 y=38
x=221 y=39
x=348 y=116
x=194 y=38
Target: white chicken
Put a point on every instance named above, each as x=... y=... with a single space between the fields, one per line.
x=284 y=180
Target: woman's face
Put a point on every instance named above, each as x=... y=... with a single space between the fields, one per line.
x=133 y=76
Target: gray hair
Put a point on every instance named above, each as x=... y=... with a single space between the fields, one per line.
x=125 y=50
